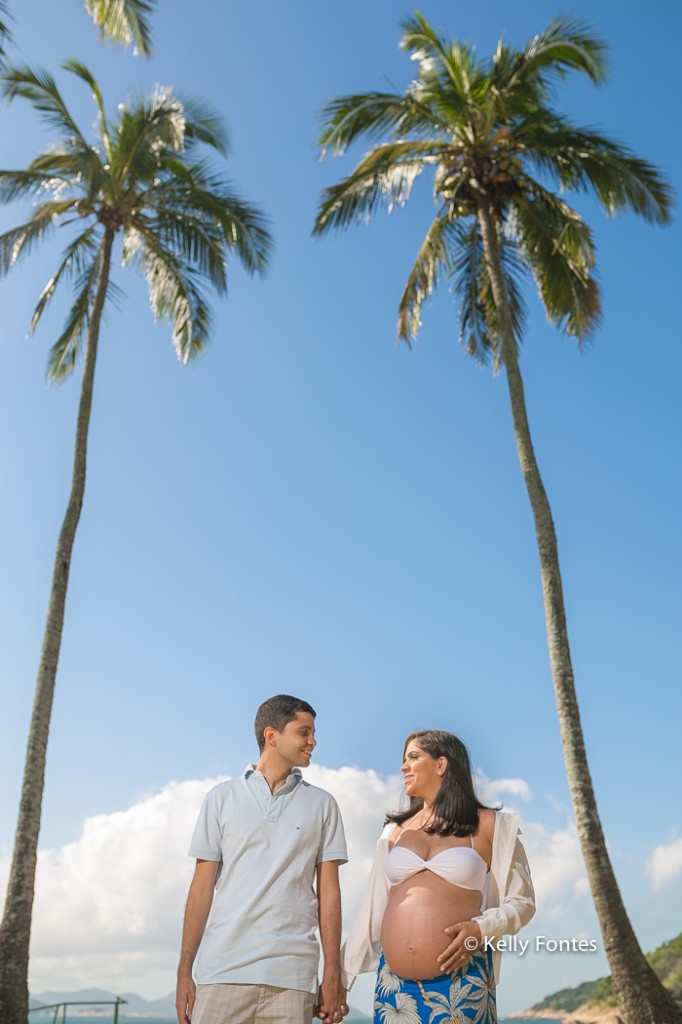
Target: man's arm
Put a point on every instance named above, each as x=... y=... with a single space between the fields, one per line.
x=332 y=998
x=196 y=915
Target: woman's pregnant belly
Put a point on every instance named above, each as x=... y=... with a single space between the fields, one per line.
x=417 y=913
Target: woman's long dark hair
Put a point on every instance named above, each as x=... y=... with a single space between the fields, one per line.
x=456 y=807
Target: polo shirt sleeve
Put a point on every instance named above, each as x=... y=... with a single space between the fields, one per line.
x=207 y=837
x=333 y=839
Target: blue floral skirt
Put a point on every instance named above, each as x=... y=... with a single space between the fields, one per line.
x=467 y=996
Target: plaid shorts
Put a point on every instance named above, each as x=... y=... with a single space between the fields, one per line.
x=252 y=1004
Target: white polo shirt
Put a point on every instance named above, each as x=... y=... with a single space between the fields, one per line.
x=262 y=929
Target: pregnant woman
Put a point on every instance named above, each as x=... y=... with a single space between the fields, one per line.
x=449 y=874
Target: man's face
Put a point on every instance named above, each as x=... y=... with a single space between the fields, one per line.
x=296 y=741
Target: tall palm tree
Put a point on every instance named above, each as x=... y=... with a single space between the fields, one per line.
x=178 y=221
x=500 y=155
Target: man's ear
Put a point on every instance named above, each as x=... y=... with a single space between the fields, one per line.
x=269 y=735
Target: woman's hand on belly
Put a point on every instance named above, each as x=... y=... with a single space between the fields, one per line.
x=461 y=947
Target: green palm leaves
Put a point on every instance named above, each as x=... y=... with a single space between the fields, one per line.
x=5 y=33
x=124 y=21
x=487 y=130
x=179 y=219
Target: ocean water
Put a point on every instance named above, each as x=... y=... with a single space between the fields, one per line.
x=102 y=1019
x=46 y=1018
x=107 y=1018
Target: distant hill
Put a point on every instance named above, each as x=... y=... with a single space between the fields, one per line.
x=666 y=960
x=135 y=1006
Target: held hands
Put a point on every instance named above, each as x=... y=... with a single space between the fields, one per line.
x=331 y=1006
x=466 y=938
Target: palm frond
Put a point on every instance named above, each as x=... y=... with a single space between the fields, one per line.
x=197 y=241
x=565 y=45
x=385 y=175
x=74 y=263
x=242 y=225
x=174 y=295
x=40 y=89
x=559 y=249
x=147 y=128
x=81 y=167
x=449 y=77
x=203 y=124
x=64 y=353
x=514 y=270
x=195 y=195
x=421 y=41
x=453 y=110
x=432 y=260
x=79 y=171
x=29 y=184
x=465 y=275
x=437 y=56
x=480 y=329
x=84 y=73
x=124 y=21
x=20 y=241
x=521 y=81
x=5 y=32
x=372 y=114
x=585 y=160
x=511 y=96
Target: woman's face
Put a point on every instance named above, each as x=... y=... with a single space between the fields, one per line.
x=422 y=773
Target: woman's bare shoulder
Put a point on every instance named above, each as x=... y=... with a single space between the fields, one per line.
x=393 y=834
x=486 y=823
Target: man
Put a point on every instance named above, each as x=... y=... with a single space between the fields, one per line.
x=261 y=842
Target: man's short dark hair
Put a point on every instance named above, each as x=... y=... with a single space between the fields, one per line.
x=277 y=712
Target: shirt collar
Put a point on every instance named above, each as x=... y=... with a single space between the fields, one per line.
x=294 y=777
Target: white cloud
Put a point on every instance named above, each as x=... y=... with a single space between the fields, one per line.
x=124 y=877
x=556 y=864
x=665 y=862
x=493 y=791
x=109 y=906
x=364 y=798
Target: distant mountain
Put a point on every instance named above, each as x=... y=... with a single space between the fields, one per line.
x=597 y=996
x=134 y=1006
x=83 y=995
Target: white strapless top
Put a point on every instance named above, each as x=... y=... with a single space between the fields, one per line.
x=459 y=865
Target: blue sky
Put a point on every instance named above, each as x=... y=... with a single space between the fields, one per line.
x=312 y=508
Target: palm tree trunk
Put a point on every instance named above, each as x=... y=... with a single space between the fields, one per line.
x=641 y=997
x=15 y=931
